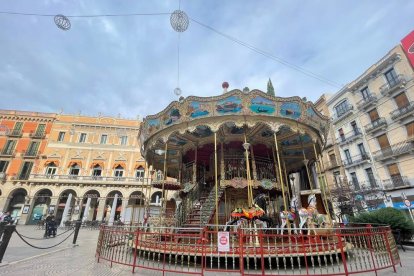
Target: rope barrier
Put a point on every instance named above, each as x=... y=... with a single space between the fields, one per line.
x=37 y=247
x=30 y=238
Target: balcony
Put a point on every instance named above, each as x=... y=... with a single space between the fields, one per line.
x=30 y=154
x=75 y=179
x=365 y=186
x=345 y=113
x=355 y=160
x=37 y=135
x=379 y=124
x=333 y=164
x=394 y=151
x=350 y=136
x=397 y=182
x=403 y=112
x=7 y=153
x=15 y=133
x=365 y=103
x=390 y=87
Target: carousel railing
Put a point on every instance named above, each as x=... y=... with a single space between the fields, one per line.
x=250 y=251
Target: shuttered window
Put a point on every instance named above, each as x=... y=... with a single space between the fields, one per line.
x=401 y=100
x=410 y=130
x=393 y=170
x=373 y=115
x=383 y=141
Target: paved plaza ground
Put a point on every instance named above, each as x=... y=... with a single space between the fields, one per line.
x=21 y=259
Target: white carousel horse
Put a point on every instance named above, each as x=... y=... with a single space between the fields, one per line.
x=290 y=215
x=310 y=215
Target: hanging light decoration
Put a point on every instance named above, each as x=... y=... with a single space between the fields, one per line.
x=179 y=21
x=62 y=22
x=177 y=91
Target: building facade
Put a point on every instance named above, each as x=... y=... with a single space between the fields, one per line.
x=87 y=160
x=374 y=126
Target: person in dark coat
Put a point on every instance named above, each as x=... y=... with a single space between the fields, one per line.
x=47 y=220
x=7 y=218
x=51 y=227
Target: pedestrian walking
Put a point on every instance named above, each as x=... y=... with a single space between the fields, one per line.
x=46 y=222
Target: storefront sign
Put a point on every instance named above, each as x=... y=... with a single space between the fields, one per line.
x=407 y=44
x=223 y=241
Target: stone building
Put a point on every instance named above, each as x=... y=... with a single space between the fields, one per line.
x=87 y=160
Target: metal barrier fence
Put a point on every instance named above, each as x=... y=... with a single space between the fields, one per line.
x=250 y=251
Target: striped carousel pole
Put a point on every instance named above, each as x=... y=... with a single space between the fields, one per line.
x=215 y=178
x=164 y=200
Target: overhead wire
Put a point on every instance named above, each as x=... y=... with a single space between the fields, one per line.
x=229 y=37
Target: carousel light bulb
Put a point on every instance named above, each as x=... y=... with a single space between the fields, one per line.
x=246 y=146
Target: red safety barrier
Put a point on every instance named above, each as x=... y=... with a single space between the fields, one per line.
x=250 y=251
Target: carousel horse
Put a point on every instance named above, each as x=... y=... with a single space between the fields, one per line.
x=256 y=213
x=310 y=215
x=290 y=215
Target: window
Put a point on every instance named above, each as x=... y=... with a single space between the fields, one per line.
x=9 y=147
x=51 y=169
x=348 y=156
x=341 y=134
x=355 y=181
x=362 y=150
x=355 y=127
x=401 y=100
x=371 y=178
x=156 y=198
x=104 y=137
x=3 y=166
x=365 y=93
x=32 y=149
x=337 y=177
x=74 y=169
x=332 y=158
x=82 y=138
x=61 y=136
x=373 y=115
x=17 y=128
x=124 y=140
x=119 y=171
x=342 y=108
x=396 y=177
x=410 y=130
x=97 y=170
x=139 y=173
x=40 y=131
x=391 y=77
x=383 y=142
x=25 y=170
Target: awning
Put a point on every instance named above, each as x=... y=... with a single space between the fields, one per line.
x=99 y=163
x=139 y=164
x=74 y=163
x=116 y=164
x=48 y=162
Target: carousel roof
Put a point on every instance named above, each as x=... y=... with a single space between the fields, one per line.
x=234 y=115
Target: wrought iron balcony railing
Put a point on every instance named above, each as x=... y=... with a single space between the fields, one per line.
x=394 y=150
x=345 y=113
x=391 y=86
x=38 y=134
x=378 y=124
x=331 y=165
x=350 y=136
x=7 y=153
x=366 y=102
x=402 y=112
x=30 y=153
x=15 y=133
x=365 y=186
x=398 y=182
x=355 y=160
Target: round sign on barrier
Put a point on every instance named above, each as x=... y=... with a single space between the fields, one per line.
x=407 y=203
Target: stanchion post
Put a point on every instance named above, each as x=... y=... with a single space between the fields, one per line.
x=77 y=227
x=8 y=231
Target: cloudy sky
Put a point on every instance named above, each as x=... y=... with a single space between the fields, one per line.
x=128 y=65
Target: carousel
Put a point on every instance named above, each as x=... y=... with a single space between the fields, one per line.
x=245 y=172
x=241 y=157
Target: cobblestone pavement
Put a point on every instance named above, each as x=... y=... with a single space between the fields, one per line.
x=80 y=260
